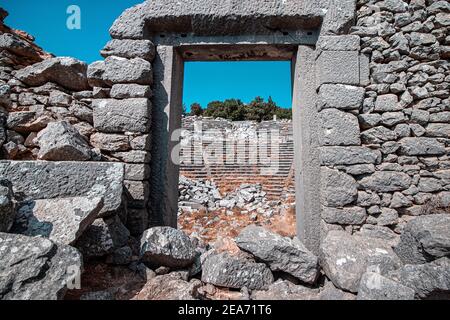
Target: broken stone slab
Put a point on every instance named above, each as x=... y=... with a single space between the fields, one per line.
x=224 y=270
x=279 y=253
x=35 y=268
x=374 y=286
x=69 y=73
x=61 y=220
x=424 y=239
x=429 y=281
x=7 y=205
x=285 y=290
x=168 y=247
x=34 y=180
x=60 y=141
x=345 y=258
x=103 y=237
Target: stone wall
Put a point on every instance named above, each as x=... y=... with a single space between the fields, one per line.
x=382 y=87
x=387 y=147
x=46 y=113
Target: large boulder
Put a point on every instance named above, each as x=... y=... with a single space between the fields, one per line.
x=224 y=270
x=345 y=258
x=36 y=268
x=60 y=141
x=61 y=220
x=166 y=246
x=70 y=73
x=374 y=286
x=429 y=280
x=425 y=239
x=279 y=253
x=7 y=206
x=52 y=180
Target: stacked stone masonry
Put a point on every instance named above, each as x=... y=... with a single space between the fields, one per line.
x=382 y=83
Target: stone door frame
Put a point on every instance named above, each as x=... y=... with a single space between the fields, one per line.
x=167 y=101
x=328 y=74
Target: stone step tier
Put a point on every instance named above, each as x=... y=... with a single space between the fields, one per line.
x=228 y=175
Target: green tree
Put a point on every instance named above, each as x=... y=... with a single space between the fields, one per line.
x=196 y=109
x=236 y=110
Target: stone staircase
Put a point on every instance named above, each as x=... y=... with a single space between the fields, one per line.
x=241 y=160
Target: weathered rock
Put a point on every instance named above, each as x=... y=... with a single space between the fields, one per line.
x=125 y=48
x=68 y=72
x=344 y=216
x=345 y=258
x=429 y=281
x=330 y=292
x=116 y=70
x=7 y=206
x=340 y=96
x=421 y=147
x=224 y=270
x=36 y=268
x=279 y=253
x=285 y=290
x=387 y=102
x=339 y=128
x=66 y=179
x=374 y=286
x=386 y=181
x=348 y=156
x=103 y=237
x=110 y=142
x=126 y=91
x=60 y=141
x=61 y=220
x=170 y=287
x=129 y=115
x=339 y=189
x=26 y=121
x=18 y=46
x=165 y=246
x=425 y=239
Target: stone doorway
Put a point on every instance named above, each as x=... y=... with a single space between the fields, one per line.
x=172 y=53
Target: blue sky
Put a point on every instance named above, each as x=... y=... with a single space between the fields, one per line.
x=204 y=81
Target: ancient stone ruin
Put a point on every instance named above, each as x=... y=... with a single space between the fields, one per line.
x=86 y=176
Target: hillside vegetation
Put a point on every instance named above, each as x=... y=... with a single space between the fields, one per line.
x=236 y=110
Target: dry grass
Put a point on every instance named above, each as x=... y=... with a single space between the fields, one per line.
x=209 y=228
